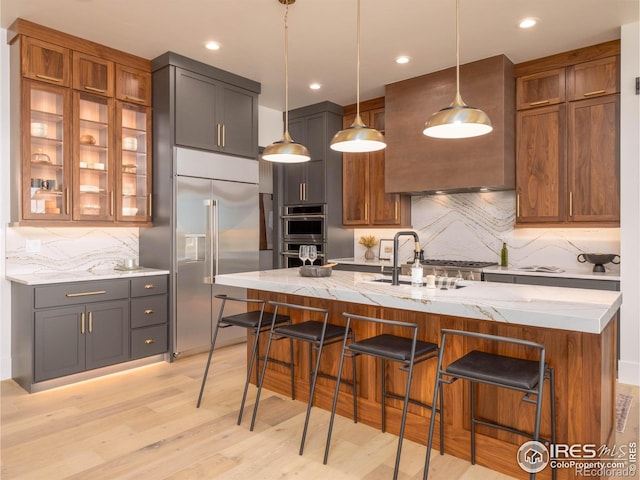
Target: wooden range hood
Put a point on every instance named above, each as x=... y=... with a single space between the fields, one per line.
x=417 y=164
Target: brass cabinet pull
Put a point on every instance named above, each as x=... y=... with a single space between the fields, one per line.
x=149 y=286
x=148 y=311
x=46 y=77
x=217 y=135
x=571 y=204
x=135 y=99
x=304 y=191
x=111 y=202
x=150 y=204
x=223 y=135
x=595 y=92
x=540 y=102
x=395 y=215
x=517 y=205
x=67 y=202
x=300 y=191
x=82 y=323
x=366 y=212
x=84 y=294
x=90 y=322
x=149 y=341
x=94 y=89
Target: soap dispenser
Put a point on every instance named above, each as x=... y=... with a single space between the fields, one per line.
x=416 y=273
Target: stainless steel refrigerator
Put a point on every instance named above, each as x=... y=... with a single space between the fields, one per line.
x=206 y=222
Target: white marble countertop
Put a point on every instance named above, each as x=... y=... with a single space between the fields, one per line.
x=585 y=273
x=45 y=278
x=548 y=307
x=567 y=273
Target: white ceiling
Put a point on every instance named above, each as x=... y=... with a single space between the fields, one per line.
x=322 y=35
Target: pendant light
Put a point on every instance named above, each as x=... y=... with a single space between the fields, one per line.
x=358 y=137
x=458 y=120
x=286 y=150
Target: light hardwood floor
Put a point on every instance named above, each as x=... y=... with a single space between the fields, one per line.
x=143 y=424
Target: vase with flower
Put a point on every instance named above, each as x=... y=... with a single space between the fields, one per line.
x=368 y=241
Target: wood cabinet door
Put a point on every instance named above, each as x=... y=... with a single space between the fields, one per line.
x=93 y=74
x=540 y=165
x=385 y=207
x=355 y=182
x=133 y=85
x=107 y=333
x=46 y=151
x=238 y=118
x=196 y=106
x=46 y=62
x=594 y=160
x=595 y=78
x=59 y=342
x=539 y=89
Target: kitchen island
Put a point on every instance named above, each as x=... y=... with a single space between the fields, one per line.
x=574 y=324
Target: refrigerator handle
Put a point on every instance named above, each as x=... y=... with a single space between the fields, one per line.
x=215 y=232
x=208 y=279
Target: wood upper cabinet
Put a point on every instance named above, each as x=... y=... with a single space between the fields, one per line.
x=66 y=138
x=595 y=78
x=567 y=155
x=540 y=89
x=364 y=201
x=593 y=160
x=92 y=74
x=540 y=165
x=46 y=62
x=133 y=85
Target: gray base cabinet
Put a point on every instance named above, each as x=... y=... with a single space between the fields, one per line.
x=594 y=284
x=68 y=328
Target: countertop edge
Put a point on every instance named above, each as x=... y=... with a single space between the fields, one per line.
x=47 y=278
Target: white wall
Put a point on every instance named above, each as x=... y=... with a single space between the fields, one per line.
x=5 y=286
x=629 y=366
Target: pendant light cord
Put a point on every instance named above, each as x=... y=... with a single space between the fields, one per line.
x=457 y=101
x=358 y=63
x=286 y=70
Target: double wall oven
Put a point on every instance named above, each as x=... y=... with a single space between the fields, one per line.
x=303 y=225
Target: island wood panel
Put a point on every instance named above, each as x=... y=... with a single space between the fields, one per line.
x=584 y=365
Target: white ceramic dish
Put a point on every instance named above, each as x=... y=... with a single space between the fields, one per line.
x=129 y=211
x=89 y=188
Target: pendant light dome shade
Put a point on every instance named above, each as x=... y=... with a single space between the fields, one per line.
x=286 y=150
x=458 y=120
x=358 y=137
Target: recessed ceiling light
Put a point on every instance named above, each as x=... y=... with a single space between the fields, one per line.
x=402 y=59
x=212 y=45
x=315 y=86
x=527 y=22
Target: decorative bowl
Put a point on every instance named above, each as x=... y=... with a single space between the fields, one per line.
x=598 y=259
x=314 y=271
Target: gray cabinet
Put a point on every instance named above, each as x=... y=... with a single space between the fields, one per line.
x=68 y=328
x=313 y=182
x=593 y=284
x=73 y=339
x=211 y=109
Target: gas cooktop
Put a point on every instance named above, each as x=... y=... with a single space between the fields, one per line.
x=456 y=263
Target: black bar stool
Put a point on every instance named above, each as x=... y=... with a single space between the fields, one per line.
x=318 y=335
x=502 y=371
x=407 y=351
x=252 y=321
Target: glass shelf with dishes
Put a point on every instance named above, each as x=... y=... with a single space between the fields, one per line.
x=93 y=182
x=45 y=176
x=134 y=122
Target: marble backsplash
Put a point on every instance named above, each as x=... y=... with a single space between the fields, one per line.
x=68 y=249
x=472 y=226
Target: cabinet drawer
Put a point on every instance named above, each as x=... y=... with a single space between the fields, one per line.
x=143 y=286
x=81 y=292
x=147 y=311
x=148 y=341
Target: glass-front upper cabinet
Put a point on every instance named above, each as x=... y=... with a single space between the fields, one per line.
x=133 y=123
x=46 y=172
x=93 y=185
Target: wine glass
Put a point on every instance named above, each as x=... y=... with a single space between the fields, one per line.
x=313 y=253
x=303 y=253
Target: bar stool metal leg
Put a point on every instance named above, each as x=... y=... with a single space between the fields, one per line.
x=253 y=363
